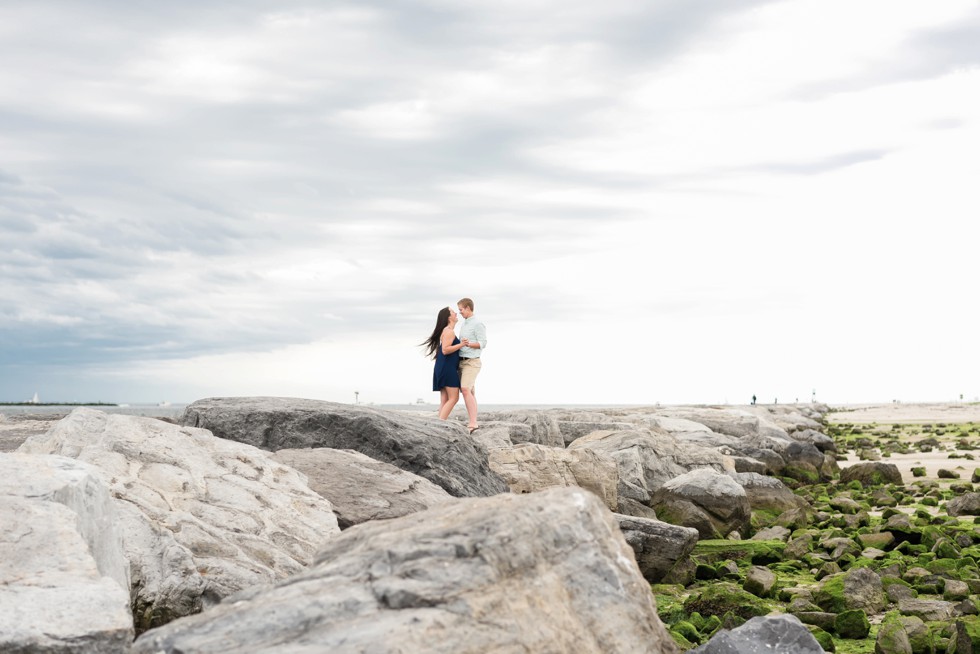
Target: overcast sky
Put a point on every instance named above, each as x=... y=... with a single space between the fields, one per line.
x=666 y=201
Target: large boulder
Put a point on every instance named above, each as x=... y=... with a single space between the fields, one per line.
x=543 y=572
x=64 y=580
x=770 y=634
x=361 y=489
x=530 y=468
x=965 y=504
x=540 y=427
x=201 y=517
x=871 y=473
x=689 y=431
x=439 y=450
x=858 y=588
x=658 y=545
x=647 y=459
x=743 y=425
x=711 y=502
x=575 y=424
x=768 y=493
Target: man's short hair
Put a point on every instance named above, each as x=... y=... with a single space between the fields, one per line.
x=465 y=302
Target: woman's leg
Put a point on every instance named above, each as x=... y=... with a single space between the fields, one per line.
x=443 y=398
x=452 y=397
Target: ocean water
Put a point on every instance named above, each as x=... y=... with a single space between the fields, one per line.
x=172 y=411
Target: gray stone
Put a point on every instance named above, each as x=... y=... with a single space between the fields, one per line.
x=772 y=533
x=657 y=545
x=531 y=468
x=711 y=502
x=497 y=435
x=64 y=581
x=361 y=489
x=635 y=509
x=544 y=428
x=955 y=590
x=771 y=634
x=768 y=493
x=741 y=424
x=648 y=459
x=543 y=572
x=821 y=441
x=965 y=504
x=871 y=473
x=201 y=517
x=439 y=450
x=927 y=610
x=759 y=581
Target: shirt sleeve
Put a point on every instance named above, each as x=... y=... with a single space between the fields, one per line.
x=481 y=335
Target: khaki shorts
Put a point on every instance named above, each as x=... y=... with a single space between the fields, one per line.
x=468 y=370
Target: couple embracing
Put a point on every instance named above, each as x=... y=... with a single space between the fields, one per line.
x=457 y=359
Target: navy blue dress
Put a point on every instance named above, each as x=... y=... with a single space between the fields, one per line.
x=446 y=371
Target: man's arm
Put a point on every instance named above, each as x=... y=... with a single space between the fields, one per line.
x=481 y=336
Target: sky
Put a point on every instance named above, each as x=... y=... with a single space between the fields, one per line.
x=672 y=201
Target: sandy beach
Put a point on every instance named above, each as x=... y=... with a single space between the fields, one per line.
x=909 y=414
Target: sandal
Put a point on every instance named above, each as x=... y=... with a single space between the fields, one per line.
x=473 y=429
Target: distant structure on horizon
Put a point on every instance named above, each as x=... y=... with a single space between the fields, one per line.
x=35 y=399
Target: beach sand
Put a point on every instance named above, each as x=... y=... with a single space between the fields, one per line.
x=918 y=414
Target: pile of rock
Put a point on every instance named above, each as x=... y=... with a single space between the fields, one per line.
x=540 y=532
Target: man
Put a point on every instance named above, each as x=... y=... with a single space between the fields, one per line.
x=473 y=336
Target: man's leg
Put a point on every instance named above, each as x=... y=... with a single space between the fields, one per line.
x=469 y=399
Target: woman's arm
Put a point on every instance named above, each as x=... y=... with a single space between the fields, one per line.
x=447 y=342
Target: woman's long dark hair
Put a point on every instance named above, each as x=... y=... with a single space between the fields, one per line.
x=432 y=343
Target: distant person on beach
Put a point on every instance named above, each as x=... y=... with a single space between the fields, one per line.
x=473 y=336
x=753 y=400
x=443 y=346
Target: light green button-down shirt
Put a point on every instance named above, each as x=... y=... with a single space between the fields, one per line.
x=473 y=330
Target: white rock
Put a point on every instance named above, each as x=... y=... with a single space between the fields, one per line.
x=201 y=517
x=64 y=584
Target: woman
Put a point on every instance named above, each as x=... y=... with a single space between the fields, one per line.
x=443 y=346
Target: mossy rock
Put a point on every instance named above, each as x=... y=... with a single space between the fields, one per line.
x=759 y=552
x=852 y=624
x=723 y=598
x=802 y=473
x=825 y=640
x=947 y=567
x=683 y=643
x=687 y=631
x=918 y=472
x=892 y=636
x=705 y=572
x=711 y=624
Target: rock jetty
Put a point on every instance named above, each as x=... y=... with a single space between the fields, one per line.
x=283 y=524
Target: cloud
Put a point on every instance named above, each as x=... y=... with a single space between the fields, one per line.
x=209 y=182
